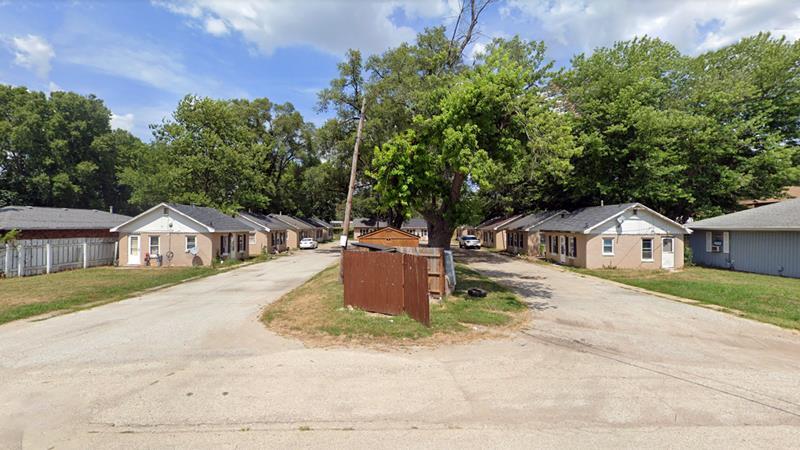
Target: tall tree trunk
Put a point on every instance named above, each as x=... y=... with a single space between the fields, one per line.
x=440 y=231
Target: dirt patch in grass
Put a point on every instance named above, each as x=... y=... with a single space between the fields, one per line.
x=314 y=313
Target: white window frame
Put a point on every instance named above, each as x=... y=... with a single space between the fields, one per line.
x=652 y=250
x=570 y=248
x=193 y=236
x=603 y=247
x=150 y=245
x=138 y=249
x=252 y=238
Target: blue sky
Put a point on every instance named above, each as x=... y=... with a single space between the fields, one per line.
x=141 y=57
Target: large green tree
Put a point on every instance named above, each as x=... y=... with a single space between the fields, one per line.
x=484 y=126
x=687 y=136
x=60 y=150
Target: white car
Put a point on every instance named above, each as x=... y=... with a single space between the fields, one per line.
x=308 y=243
x=469 y=241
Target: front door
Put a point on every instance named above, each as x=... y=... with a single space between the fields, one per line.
x=667 y=253
x=134 y=251
x=562 y=249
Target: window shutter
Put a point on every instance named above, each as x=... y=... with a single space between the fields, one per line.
x=726 y=247
x=708 y=242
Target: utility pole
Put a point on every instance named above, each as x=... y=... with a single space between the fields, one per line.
x=349 y=205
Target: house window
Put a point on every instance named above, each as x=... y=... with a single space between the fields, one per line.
x=717 y=241
x=573 y=247
x=154 y=241
x=191 y=242
x=133 y=246
x=608 y=246
x=647 y=249
x=222 y=248
x=240 y=242
x=563 y=240
x=252 y=239
x=554 y=245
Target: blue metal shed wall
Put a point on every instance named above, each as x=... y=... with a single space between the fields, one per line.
x=753 y=251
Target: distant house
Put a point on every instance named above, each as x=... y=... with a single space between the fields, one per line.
x=390 y=237
x=362 y=226
x=760 y=240
x=324 y=230
x=492 y=232
x=789 y=193
x=522 y=235
x=55 y=239
x=418 y=227
x=297 y=229
x=37 y=222
x=172 y=234
x=625 y=236
x=268 y=235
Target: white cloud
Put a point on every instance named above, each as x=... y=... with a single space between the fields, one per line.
x=216 y=26
x=124 y=121
x=693 y=26
x=33 y=52
x=331 y=26
x=53 y=87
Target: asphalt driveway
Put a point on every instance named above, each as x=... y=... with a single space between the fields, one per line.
x=600 y=365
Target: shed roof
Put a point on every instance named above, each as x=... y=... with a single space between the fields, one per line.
x=46 y=218
x=781 y=216
x=388 y=230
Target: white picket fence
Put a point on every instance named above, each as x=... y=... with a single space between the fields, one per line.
x=38 y=256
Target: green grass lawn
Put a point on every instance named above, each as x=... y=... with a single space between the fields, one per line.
x=765 y=298
x=77 y=289
x=316 y=308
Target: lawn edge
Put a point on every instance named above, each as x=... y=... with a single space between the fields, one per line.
x=61 y=312
x=675 y=298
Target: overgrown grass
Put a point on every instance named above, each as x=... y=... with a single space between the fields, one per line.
x=316 y=308
x=72 y=290
x=764 y=298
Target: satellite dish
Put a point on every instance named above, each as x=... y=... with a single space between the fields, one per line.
x=193 y=251
x=620 y=219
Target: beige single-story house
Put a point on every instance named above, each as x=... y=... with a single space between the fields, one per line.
x=296 y=230
x=492 y=232
x=325 y=232
x=171 y=234
x=522 y=235
x=418 y=227
x=268 y=235
x=625 y=236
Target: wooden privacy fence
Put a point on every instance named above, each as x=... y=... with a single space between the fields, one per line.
x=437 y=276
x=388 y=283
x=37 y=256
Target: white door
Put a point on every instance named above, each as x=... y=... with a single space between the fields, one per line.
x=667 y=253
x=134 y=250
x=562 y=249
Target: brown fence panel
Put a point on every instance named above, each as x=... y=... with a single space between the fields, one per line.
x=436 y=273
x=415 y=288
x=373 y=281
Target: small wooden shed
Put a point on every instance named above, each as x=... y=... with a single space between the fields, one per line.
x=390 y=237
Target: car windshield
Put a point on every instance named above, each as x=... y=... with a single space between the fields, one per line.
x=307 y=239
x=469 y=236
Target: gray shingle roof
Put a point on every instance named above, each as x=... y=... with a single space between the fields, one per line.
x=211 y=217
x=44 y=218
x=415 y=222
x=363 y=222
x=784 y=215
x=267 y=221
x=321 y=222
x=582 y=219
x=292 y=222
x=498 y=223
x=531 y=220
